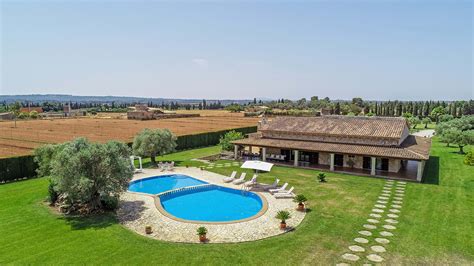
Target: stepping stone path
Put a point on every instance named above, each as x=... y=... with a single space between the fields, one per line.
x=350 y=257
x=390 y=218
x=389 y=227
x=385 y=233
x=361 y=240
x=365 y=233
x=375 y=258
x=356 y=248
x=382 y=241
x=370 y=226
x=378 y=249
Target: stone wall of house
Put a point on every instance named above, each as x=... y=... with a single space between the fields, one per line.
x=358 y=161
x=351 y=140
x=394 y=165
x=273 y=151
x=324 y=158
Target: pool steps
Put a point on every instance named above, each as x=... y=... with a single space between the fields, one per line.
x=191 y=188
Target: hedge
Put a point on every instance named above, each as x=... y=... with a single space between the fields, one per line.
x=15 y=168
x=207 y=139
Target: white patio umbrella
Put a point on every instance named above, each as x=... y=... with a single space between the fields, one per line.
x=257 y=165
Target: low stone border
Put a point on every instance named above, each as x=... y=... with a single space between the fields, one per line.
x=138 y=210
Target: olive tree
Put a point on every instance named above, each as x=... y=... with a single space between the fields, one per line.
x=154 y=142
x=225 y=140
x=457 y=131
x=426 y=121
x=87 y=177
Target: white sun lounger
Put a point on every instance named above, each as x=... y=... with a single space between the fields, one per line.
x=252 y=181
x=276 y=190
x=272 y=186
x=230 y=178
x=240 y=180
x=286 y=194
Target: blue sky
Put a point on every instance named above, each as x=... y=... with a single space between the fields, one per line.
x=407 y=50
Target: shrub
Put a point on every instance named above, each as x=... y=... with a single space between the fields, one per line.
x=225 y=140
x=201 y=231
x=109 y=203
x=52 y=193
x=322 y=177
x=33 y=114
x=469 y=158
x=283 y=216
x=22 y=115
x=300 y=199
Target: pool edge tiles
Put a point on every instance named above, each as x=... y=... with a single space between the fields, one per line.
x=132 y=189
x=164 y=212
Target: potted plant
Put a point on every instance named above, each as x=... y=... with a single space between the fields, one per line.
x=148 y=229
x=322 y=177
x=202 y=231
x=300 y=199
x=283 y=216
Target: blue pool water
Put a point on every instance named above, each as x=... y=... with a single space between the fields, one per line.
x=158 y=184
x=212 y=204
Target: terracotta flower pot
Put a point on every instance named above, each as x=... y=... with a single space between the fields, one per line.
x=300 y=207
x=148 y=229
x=202 y=238
x=282 y=225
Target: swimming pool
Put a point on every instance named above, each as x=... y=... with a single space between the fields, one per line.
x=158 y=184
x=212 y=204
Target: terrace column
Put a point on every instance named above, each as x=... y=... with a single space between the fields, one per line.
x=264 y=154
x=236 y=151
x=372 y=165
x=419 y=174
x=331 y=164
x=296 y=157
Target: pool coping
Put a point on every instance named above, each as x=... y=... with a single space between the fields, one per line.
x=136 y=211
x=160 y=208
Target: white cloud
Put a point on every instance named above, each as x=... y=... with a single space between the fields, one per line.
x=201 y=62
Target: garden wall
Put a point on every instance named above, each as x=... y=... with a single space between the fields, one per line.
x=15 y=168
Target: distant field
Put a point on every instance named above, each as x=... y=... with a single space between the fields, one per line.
x=30 y=134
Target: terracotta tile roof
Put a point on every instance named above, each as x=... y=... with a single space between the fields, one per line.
x=366 y=127
x=413 y=148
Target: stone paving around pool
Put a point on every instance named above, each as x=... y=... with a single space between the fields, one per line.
x=138 y=210
x=372 y=241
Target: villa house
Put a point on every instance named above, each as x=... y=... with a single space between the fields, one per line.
x=377 y=146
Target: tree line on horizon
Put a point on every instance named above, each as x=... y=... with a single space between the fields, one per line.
x=356 y=106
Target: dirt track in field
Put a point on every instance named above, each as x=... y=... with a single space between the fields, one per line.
x=29 y=134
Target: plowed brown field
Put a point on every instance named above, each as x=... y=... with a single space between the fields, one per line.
x=29 y=134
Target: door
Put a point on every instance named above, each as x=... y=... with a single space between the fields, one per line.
x=338 y=160
x=367 y=163
x=382 y=164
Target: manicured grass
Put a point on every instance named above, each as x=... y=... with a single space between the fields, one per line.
x=435 y=224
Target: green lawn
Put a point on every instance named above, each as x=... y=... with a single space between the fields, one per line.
x=436 y=223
